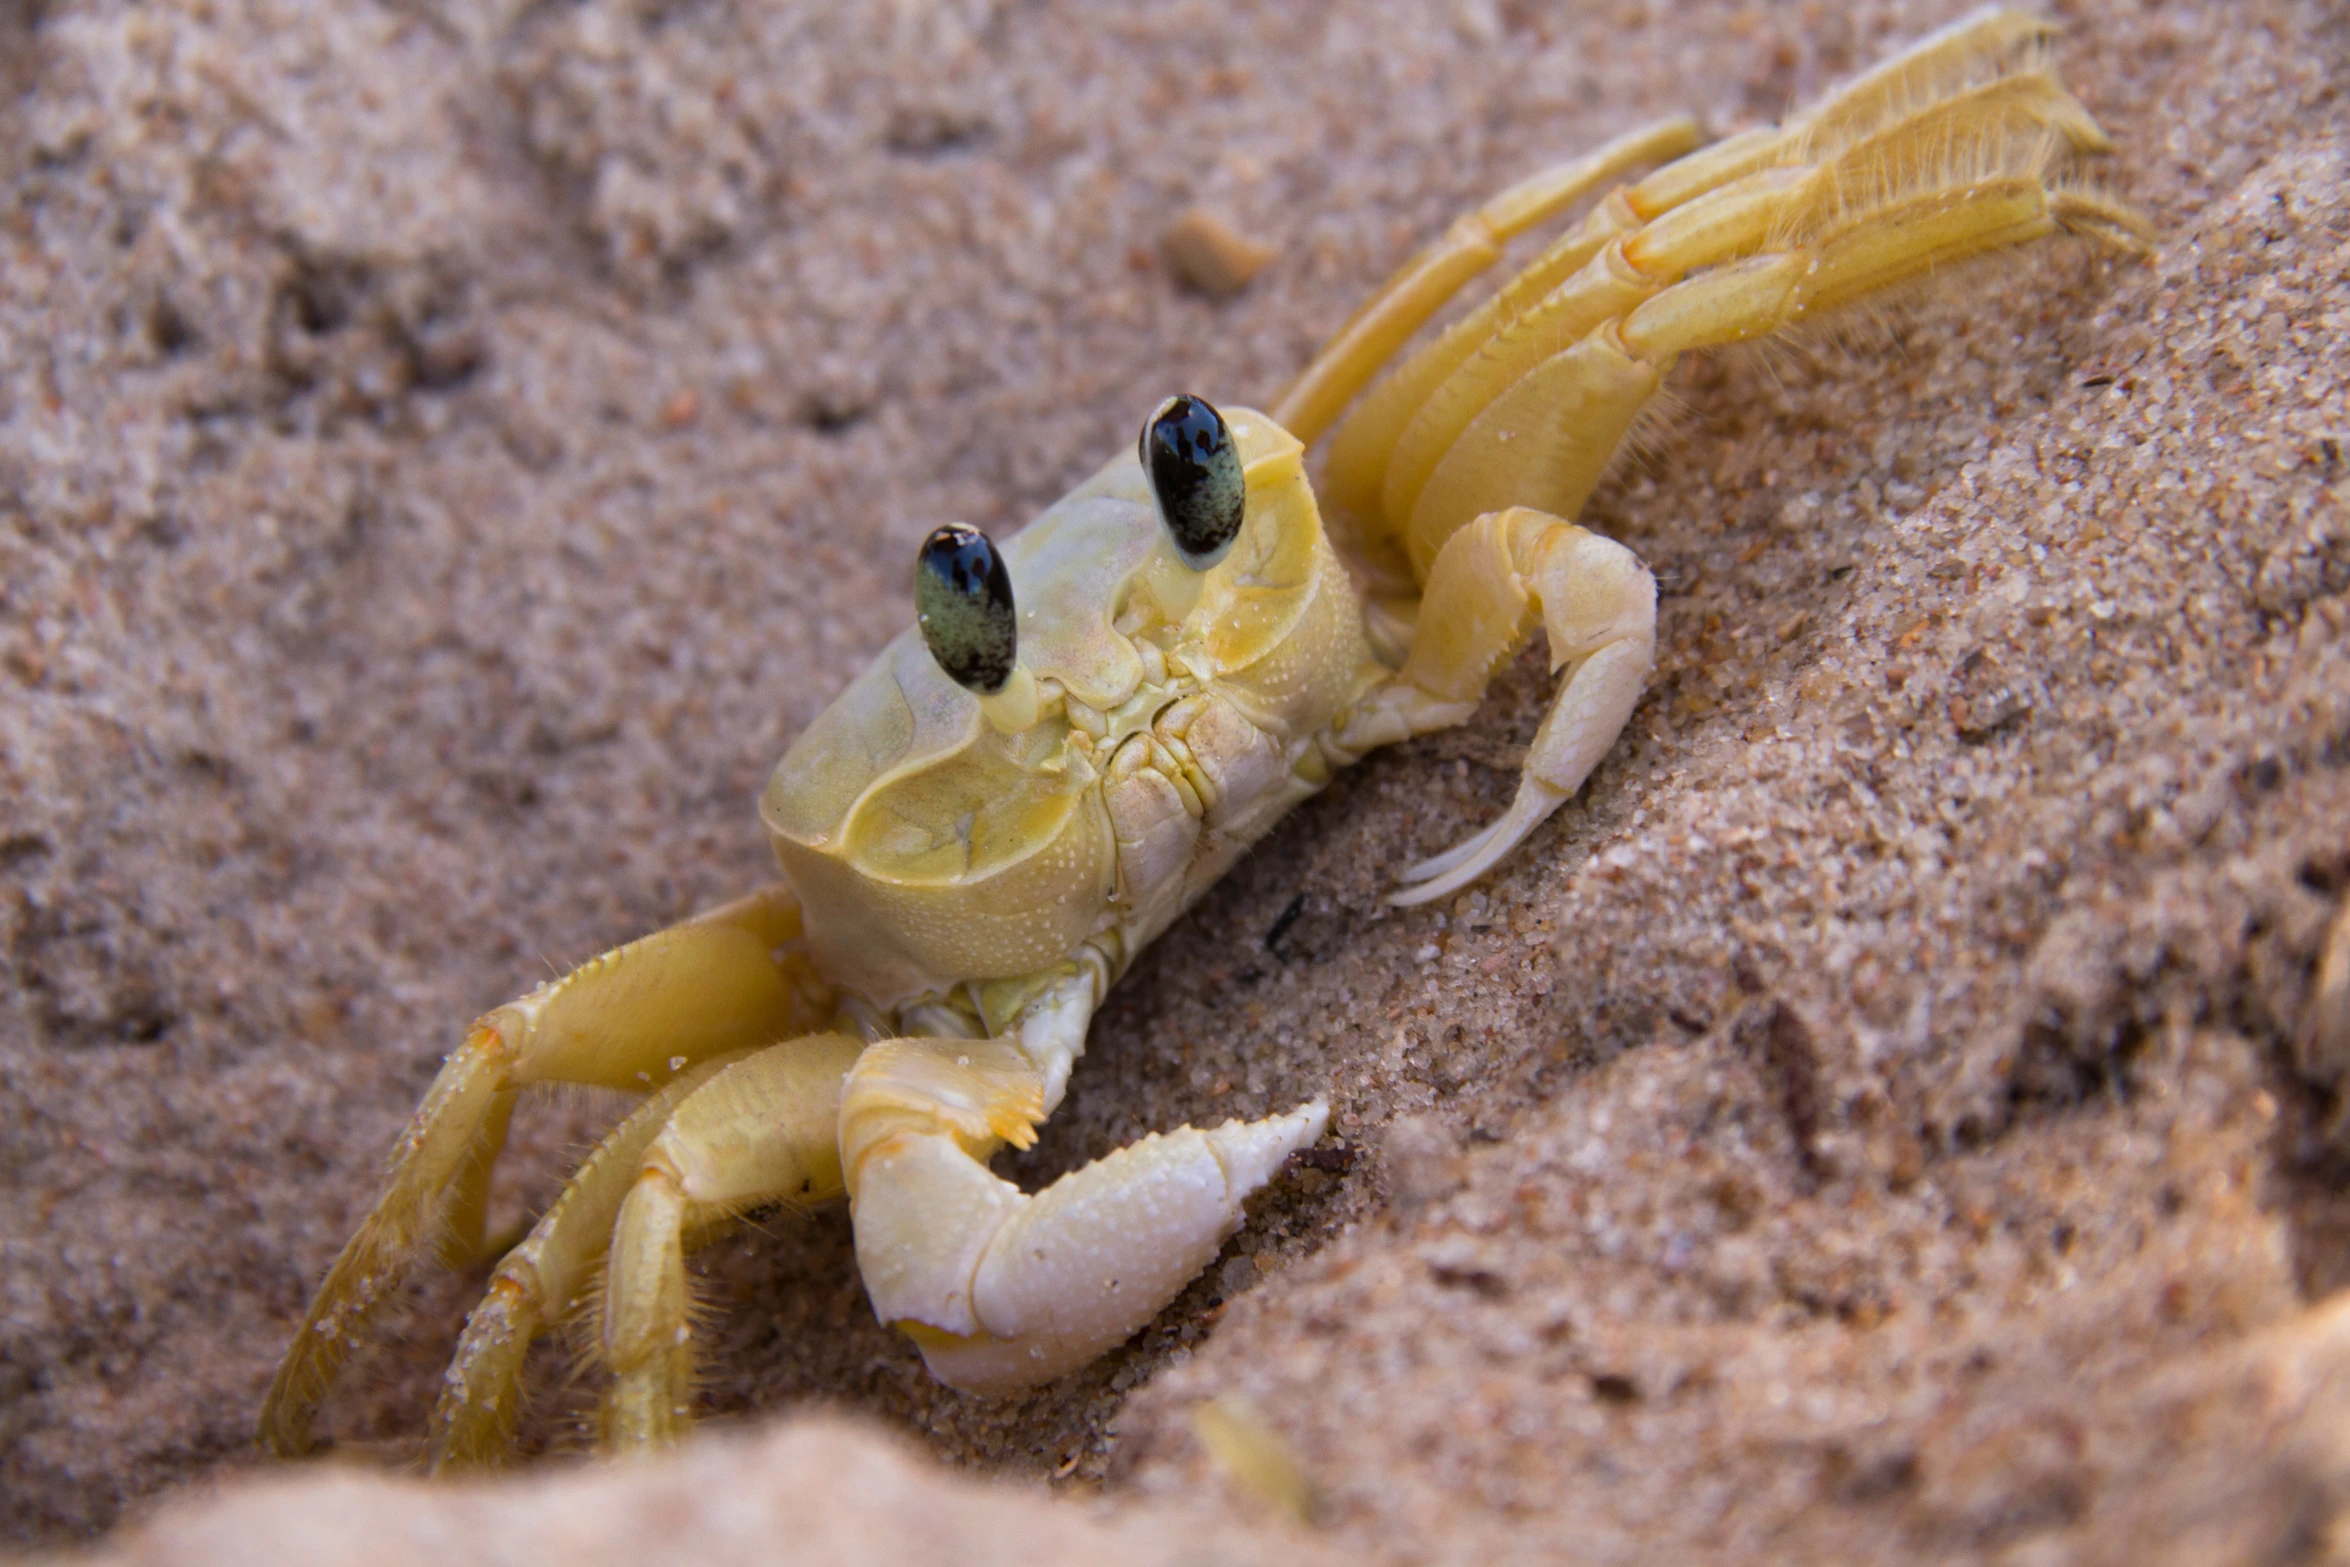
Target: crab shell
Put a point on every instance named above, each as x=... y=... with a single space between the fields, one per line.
x=934 y=844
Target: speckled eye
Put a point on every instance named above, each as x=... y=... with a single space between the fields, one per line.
x=963 y=599
x=1195 y=471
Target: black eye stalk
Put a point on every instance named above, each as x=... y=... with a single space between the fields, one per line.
x=1195 y=472
x=963 y=599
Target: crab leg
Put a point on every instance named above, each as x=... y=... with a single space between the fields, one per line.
x=1358 y=350
x=1544 y=441
x=482 y=1396
x=1362 y=449
x=1988 y=39
x=1974 y=159
x=1973 y=93
x=762 y=1130
x=1492 y=582
x=1003 y=1290
x=464 y=1238
x=1970 y=50
x=632 y=1019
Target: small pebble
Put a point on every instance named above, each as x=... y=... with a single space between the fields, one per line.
x=1211 y=257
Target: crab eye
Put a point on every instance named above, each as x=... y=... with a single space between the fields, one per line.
x=963 y=599
x=1195 y=472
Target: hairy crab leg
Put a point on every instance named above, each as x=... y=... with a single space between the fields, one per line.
x=1404 y=303
x=1988 y=38
x=762 y=1130
x=1000 y=1289
x=1972 y=48
x=1978 y=75
x=464 y=1225
x=1363 y=448
x=1942 y=155
x=482 y=1394
x=632 y=1019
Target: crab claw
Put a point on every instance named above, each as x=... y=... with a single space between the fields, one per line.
x=1002 y=1290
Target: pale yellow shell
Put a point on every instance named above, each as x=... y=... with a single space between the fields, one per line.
x=931 y=847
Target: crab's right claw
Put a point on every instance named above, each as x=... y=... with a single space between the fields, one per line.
x=1003 y=1290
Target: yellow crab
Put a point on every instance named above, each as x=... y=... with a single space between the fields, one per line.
x=1086 y=728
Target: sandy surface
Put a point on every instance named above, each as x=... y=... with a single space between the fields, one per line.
x=446 y=452
x=813 y=1491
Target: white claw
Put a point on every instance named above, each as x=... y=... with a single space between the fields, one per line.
x=1251 y=1151
x=1080 y=1266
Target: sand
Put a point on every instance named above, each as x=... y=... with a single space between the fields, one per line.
x=447 y=452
